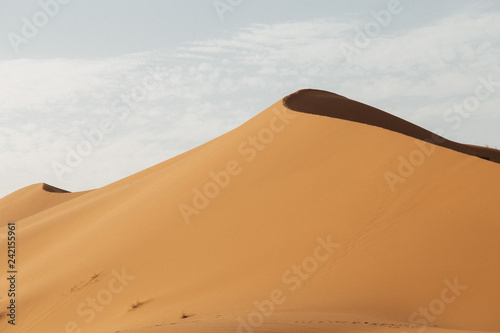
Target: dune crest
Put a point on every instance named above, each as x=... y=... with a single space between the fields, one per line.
x=53 y=189
x=328 y=104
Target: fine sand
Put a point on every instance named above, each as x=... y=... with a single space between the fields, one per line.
x=335 y=217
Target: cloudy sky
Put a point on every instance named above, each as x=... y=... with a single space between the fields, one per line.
x=92 y=91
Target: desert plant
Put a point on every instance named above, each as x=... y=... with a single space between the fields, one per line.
x=135 y=305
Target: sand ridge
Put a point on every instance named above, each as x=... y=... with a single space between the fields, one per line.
x=332 y=105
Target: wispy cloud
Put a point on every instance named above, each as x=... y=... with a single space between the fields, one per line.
x=210 y=87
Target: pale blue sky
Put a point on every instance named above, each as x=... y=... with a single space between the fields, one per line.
x=215 y=74
x=97 y=28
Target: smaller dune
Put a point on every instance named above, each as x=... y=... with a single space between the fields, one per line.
x=31 y=200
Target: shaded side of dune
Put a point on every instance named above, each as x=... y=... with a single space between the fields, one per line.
x=53 y=189
x=328 y=104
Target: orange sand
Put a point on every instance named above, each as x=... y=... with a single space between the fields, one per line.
x=304 y=224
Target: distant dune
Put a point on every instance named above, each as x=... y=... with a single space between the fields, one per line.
x=320 y=214
x=31 y=200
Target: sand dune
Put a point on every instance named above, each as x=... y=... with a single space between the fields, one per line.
x=31 y=200
x=331 y=218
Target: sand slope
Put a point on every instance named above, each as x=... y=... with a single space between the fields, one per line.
x=293 y=222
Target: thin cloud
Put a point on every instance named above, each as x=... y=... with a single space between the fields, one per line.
x=210 y=87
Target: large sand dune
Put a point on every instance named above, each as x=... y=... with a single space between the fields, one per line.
x=297 y=221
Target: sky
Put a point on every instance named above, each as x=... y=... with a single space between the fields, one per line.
x=93 y=91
